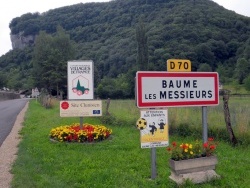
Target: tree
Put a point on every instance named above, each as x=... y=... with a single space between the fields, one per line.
x=142 y=47
x=14 y=81
x=236 y=86
x=222 y=73
x=204 y=67
x=205 y=55
x=247 y=83
x=40 y=59
x=242 y=69
x=2 y=80
x=62 y=50
x=50 y=60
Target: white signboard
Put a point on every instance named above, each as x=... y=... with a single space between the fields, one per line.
x=169 y=89
x=81 y=108
x=35 y=92
x=80 y=80
x=153 y=128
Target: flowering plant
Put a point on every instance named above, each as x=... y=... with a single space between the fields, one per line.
x=190 y=151
x=75 y=133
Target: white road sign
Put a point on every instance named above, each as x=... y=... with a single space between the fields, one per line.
x=82 y=108
x=80 y=80
x=169 y=89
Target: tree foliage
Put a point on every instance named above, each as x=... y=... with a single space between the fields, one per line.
x=110 y=34
x=247 y=83
x=242 y=69
x=142 y=47
x=50 y=57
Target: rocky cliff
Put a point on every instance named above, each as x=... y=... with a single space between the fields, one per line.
x=19 y=41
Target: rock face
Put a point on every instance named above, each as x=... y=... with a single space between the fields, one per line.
x=19 y=41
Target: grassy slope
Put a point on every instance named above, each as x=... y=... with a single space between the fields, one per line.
x=119 y=162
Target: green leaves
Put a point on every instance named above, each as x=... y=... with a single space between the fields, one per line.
x=51 y=54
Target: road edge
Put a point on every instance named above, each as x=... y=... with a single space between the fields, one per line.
x=9 y=149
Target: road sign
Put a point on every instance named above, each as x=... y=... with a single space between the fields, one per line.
x=84 y=108
x=178 y=65
x=173 y=89
x=155 y=133
x=80 y=80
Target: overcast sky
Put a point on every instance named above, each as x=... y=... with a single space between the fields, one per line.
x=15 y=8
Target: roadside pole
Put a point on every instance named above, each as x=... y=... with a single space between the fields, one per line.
x=81 y=122
x=153 y=163
x=204 y=124
x=176 y=87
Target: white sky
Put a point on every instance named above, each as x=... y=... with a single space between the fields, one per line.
x=15 y=8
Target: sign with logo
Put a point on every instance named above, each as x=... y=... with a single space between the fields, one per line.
x=178 y=65
x=84 y=108
x=169 y=89
x=80 y=80
x=153 y=125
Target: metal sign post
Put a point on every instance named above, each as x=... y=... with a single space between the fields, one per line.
x=81 y=122
x=179 y=87
x=153 y=125
x=204 y=124
x=153 y=163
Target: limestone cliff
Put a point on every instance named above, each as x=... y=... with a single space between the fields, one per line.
x=19 y=41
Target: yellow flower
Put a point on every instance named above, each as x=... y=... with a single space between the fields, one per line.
x=186 y=150
x=190 y=146
x=191 y=152
x=75 y=134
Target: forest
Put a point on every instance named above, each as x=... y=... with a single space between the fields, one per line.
x=122 y=37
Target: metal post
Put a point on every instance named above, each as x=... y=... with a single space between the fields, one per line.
x=204 y=124
x=153 y=163
x=81 y=122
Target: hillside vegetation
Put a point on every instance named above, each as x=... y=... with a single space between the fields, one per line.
x=110 y=34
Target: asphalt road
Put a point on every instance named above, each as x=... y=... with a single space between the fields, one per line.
x=9 y=110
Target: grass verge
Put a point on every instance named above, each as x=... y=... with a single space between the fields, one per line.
x=118 y=162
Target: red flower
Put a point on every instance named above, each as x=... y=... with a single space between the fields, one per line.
x=107 y=134
x=174 y=144
x=169 y=149
x=212 y=147
x=205 y=145
x=185 y=146
x=75 y=137
x=210 y=139
x=69 y=138
x=88 y=128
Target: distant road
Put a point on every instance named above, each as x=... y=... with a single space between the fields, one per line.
x=9 y=110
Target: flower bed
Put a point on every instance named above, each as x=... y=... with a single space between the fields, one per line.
x=75 y=133
x=193 y=161
x=192 y=150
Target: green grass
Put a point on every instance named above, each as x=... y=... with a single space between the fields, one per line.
x=118 y=162
x=236 y=89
